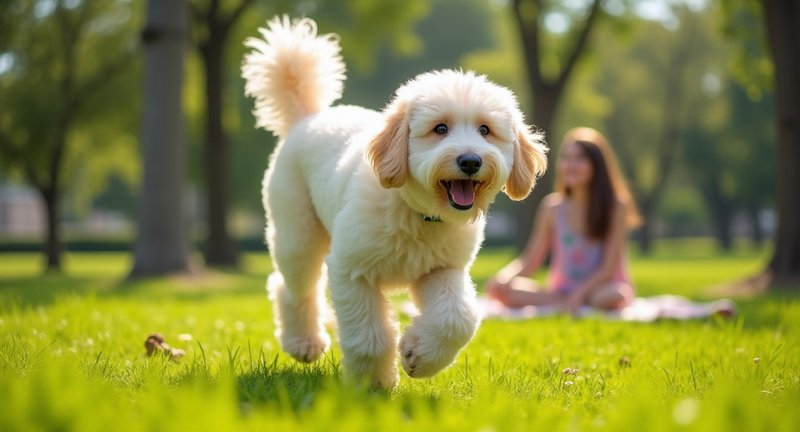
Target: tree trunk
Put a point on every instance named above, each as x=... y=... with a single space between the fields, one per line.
x=645 y=232
x=722 y=226
x=546 y=93
x=543 y=116
x=161 y=246
x=220 y=248
x=718 y=205
x=756 y=231
x=782 y=18
x=52 y=244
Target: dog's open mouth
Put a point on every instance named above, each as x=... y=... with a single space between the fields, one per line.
x=461 y=193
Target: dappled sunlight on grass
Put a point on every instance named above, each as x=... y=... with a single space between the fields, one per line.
x=72 y=357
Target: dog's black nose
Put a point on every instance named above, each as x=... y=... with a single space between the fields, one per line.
x=469 y=163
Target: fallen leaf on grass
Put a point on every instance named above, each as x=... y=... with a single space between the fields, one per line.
x=155 y=344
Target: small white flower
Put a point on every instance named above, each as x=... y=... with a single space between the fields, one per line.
x=568 y=383
x=686 y=411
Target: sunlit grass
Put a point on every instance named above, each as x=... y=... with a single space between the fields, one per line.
x=71 y=357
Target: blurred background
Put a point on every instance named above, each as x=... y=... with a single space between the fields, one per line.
x=682 y=89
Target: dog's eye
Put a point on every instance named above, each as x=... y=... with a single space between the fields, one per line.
x=440 y=129
x=483 y=130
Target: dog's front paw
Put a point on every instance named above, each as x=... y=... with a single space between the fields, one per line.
x=423 y=354
x=306 y=349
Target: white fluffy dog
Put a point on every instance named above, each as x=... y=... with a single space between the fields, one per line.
x=379 y=200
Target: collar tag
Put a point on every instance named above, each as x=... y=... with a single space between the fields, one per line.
x=427 y=218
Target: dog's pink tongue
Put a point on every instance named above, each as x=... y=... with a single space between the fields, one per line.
x=462 y=192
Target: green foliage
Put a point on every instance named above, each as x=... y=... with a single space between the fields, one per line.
x=751 y=65
x=376 y=67
x=364 y=25
x=71 y=64
x=739 y=151
x=683 y=205
x=657 y=92
x=503 y=60
x=71 y=359
x=619 y=87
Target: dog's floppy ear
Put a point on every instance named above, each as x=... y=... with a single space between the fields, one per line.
x=388 y=151
x=530 y=162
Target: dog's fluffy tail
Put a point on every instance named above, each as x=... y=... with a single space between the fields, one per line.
x=292 y=72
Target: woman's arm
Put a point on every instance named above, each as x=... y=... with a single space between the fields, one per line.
x=537 y=248
x=612 y=254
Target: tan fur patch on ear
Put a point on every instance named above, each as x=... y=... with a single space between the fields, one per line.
x=388 y=151
x=530 y=162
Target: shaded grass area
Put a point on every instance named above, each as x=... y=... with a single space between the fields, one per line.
x=71 y=358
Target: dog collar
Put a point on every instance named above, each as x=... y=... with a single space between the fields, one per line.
x=427 y=218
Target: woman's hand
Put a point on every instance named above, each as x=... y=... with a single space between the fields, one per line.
x=574 y=301
x=497 y=289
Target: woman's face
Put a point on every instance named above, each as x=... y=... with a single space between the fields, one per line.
x=574 y=168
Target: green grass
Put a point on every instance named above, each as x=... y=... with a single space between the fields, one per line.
x=71 y=357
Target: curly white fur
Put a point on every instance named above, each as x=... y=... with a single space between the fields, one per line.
x=292 y=73
x=348 y=190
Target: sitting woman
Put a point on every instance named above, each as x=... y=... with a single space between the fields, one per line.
x=584 y=227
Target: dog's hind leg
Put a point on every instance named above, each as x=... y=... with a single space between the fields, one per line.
x=298 y=244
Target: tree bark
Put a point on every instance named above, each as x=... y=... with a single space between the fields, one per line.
x=50 y=188
x=756 y=231
x=52 y=244
x=544 y=113
x=709 y=181
x=220 y=248
x=722 y=226
x=645 y=232
x=161 y=246
x=670 y=136
x=783 y=33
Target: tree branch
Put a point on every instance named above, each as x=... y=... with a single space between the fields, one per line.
x=674 y=121
x=103 y=76
x=234 y=16
x=7 y=148
x=529 y=32
x=580 y=44
x=14 y=154
x=197 y=14
x=213 y=9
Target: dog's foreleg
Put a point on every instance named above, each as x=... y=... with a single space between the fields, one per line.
x=448 y=319
x=367 y=330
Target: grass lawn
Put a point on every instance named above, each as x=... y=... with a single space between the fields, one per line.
x=71 y=358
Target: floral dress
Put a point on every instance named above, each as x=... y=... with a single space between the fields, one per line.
x=576 y=257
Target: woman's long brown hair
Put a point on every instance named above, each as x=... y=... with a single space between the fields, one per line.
x=607 y=185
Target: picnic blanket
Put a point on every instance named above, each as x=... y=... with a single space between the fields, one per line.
x=643 y=309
